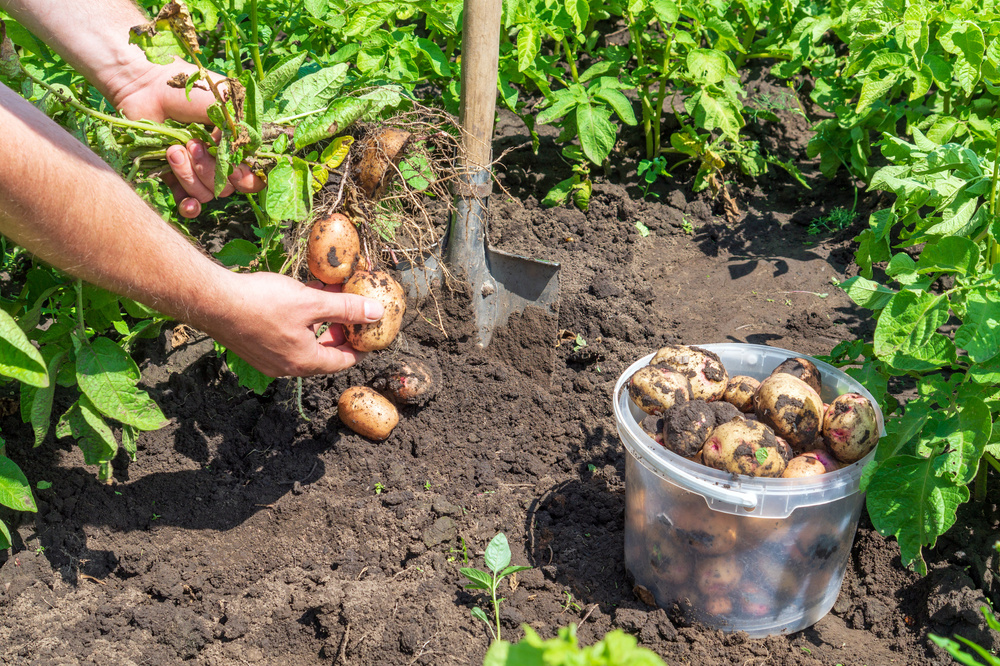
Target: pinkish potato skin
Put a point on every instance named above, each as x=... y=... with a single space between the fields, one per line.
x=791 y=408
x=740 y=391
x=657 y=389
x=804 y=369
x=409 y=382
x=704 y=369
x=850 y=427
x=824 y=457
x=803 y=466
x=716 y=576
x=733 y=448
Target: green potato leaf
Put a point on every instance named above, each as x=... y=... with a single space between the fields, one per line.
x=15 y=491
x=19 y=358
x=107 y=376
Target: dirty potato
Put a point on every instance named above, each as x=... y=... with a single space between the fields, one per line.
x=704 y=369
x=380 y=286
x=656 y=389
x=791 y=408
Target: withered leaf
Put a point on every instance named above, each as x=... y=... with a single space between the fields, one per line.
x=178 y=17
x=178 y=81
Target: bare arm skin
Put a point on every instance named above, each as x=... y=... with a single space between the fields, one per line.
x=62 y=203
x=92 y=36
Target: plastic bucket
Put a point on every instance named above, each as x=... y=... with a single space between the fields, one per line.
x=760 y=555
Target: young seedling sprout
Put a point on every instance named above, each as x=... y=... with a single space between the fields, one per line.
x=497 y=558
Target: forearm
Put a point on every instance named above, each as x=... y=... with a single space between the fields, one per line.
x=62 y=203
x=91 y=35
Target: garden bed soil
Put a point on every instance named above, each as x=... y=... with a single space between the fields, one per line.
x=247 y=534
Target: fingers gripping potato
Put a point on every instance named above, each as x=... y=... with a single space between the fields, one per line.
x=657 y=389
x=850 y=427
x=704 y=369
x=383 y=288
x=791 y=408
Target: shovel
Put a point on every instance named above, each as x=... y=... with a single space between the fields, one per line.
x=502 y=283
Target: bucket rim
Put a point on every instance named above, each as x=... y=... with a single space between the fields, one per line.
x=732 y=493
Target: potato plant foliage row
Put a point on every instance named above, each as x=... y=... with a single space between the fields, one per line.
x=303 y=89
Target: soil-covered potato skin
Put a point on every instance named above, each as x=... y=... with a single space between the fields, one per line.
x=791 y=408
x=703 y=368
x=850 y=427
x=687 y=425
x=409 y=381
x=804 y=369
x=740 y=391
x=733 y=447
x=655 y=389
x=382 y=287
x=652 y=425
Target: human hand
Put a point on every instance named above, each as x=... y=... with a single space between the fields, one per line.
x=149 y=96
x=270 y=321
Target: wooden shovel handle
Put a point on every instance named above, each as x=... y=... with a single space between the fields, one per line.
x=480 y=59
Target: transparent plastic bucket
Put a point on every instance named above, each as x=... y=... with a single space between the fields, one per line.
x=760 y=555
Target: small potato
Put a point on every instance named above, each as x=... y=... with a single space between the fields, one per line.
x=791 y=408
x=744 y=447
x=804 y=369
x=367 y=412
x=704 y=369
x=816 y=543
x=668 y=559
x=657 y=389
x=755 y=601
x=408 y=381
x=740 y=391
x=716 y=576
x=333 y=249
x=703 y=530
x=718 y=605
x=383 y=288
x=652 y=425
x=850 y=427
x=803 y=466
x=824 y=457
x=686 y=426
x=381 y=154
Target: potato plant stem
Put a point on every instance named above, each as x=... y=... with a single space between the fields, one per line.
x=180 y=135
x=571 y=59
x=81 y=325
x=254 y=41
x=666 y=71
x=496 y=604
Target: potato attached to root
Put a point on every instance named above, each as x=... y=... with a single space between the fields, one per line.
x=367 y=412
x=333 y=249
x=704 y=369
x=380 y=286
x=378 y=163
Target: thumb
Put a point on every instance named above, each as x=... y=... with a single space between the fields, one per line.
x=347 y=309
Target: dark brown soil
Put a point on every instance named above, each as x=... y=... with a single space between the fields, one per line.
x=246 y=534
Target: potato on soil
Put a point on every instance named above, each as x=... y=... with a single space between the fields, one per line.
x=367 y=412
x=703 y=530
x=657 y=389
x=850 y=427
x=804 y=369
x=791 y=408
x=378 y=163
x=704 y=369
x=744 y=447
x=380 y=286
x=409 y=381
x=740 y=391
x=333 y=249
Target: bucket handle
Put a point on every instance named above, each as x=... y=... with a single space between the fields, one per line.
x=742 y=499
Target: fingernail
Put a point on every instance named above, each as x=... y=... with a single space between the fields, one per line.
x=175 y=158
x=373 y=310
